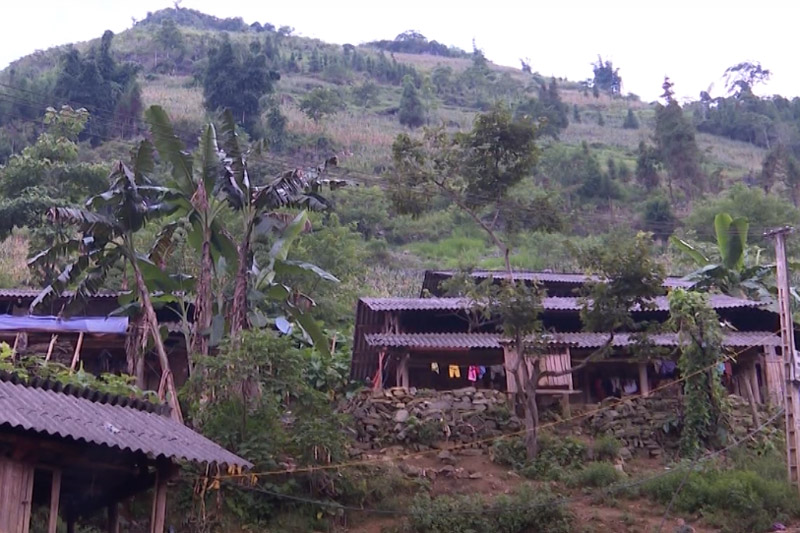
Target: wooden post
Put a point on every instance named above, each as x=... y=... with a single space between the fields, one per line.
x=77 y=354
x=53 y=339
x=644 y=385
x=55 y=495
x=753 y=375
x=158 y=516
x=748 y=389
x=402 y=371
x=113 y=518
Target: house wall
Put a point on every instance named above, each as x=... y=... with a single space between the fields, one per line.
x=16 y=494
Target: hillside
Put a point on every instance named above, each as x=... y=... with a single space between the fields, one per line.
x=169 y=50
x=412 y=155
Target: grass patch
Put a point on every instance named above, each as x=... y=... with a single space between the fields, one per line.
x=606 y=448
x=595 y=475
x=556 y=459
x=735 y=500
x=526 y=509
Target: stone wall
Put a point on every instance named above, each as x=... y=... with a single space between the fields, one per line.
x=422 y=418
x=651 y=425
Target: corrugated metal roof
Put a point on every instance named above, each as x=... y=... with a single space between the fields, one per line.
x=33 y=293
x=106 y=421
x=576 y=339
x=551 y=277
x=551 y=303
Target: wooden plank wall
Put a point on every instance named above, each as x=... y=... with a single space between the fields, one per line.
x=773 y=364
x=16 y=493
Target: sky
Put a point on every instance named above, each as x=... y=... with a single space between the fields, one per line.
x=692 y=42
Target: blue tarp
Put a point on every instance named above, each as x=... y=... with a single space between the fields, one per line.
x=54 y=324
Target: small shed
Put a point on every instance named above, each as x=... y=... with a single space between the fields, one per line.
x=82 y=452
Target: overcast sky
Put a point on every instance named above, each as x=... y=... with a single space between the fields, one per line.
x=691 y=41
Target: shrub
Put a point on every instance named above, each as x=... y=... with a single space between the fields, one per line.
x=595 y=475
x=523 y=510
x=606 y=448
x=509 y=452
x=737 y=501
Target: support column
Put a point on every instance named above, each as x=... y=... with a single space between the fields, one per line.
x=113 y=518
x=159 y=514
x=55 y=495
x=510 y=361
x=644 y=385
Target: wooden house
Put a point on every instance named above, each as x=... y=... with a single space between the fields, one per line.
x=433 y=342
x=89 y=337
x=80 y=452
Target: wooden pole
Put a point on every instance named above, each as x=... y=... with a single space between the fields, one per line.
x=55 y=494
x=792 y=391
x=53 y=339
x=113 y=518
x=77 y=354
x=158 y=517
x=644 y=385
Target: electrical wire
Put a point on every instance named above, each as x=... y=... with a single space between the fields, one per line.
x=614 y=488
x=546 y=425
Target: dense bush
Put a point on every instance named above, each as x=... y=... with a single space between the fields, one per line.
x=595 y=475
x=606 y=448
x=523 y=510
x=737 y=501
x=557 y=456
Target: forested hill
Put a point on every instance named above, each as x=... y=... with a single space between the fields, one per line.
x=604 y=160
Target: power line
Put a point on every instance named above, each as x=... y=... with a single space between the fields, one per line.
x=584 y=414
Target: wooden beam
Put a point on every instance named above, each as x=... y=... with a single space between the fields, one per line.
x=55 y=494
x=77 y=354
x=644 y=385
x=158 y=516
x=53 y=339
x=113 y=518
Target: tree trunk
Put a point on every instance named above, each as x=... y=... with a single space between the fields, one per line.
x=134 y=350
x=151 y=323
x=202 y=303
x=239 y=307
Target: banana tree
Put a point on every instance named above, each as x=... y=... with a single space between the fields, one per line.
x=107 y=226
x=194 y=181
x=297 y=188
x=728 y=272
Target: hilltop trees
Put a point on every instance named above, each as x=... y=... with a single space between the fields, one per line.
x=108 y=90
x=237 y=82
x=548 y=108
x=320 y=103
x=606 y=77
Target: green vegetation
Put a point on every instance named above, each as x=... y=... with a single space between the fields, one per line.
x=274 y=179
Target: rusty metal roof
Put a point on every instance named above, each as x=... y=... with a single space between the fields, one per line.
x=550 y=277
x=96 y=418
x=736 y=339
x=33 y=293
x=551 y=303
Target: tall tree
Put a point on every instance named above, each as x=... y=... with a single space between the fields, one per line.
x=675 y=140
x=237 y=83
x=411 y=112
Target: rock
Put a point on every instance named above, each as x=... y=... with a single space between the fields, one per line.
x=411 y=470
x=447 y=470
x=476 y=475
x=625 y=453
x=446 y=457
x=470 y=451
x=401 y=415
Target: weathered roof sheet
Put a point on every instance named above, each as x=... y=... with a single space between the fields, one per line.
x=551 y=277
x=33 y=293
x=736 y=339
x=105 y=420
x=551 y=303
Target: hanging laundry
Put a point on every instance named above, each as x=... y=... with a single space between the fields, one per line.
x=472 y=373
x=481 y=372
x=668 y=367
x=630 y=386
x=497 y=370
x=453 y=371
x=728 y=369
x=721 y=368
x=657 y=366
x=435 y=367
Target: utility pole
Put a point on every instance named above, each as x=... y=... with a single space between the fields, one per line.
x=791 y=392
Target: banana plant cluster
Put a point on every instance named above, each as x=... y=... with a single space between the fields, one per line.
x=201 y=188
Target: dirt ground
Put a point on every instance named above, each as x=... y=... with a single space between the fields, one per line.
x=473 y=472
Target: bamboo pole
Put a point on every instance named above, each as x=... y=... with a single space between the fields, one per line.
x=55 y=494
x=53 y=339
x=77 y=354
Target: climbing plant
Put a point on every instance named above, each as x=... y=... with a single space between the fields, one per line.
x=703 y=400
